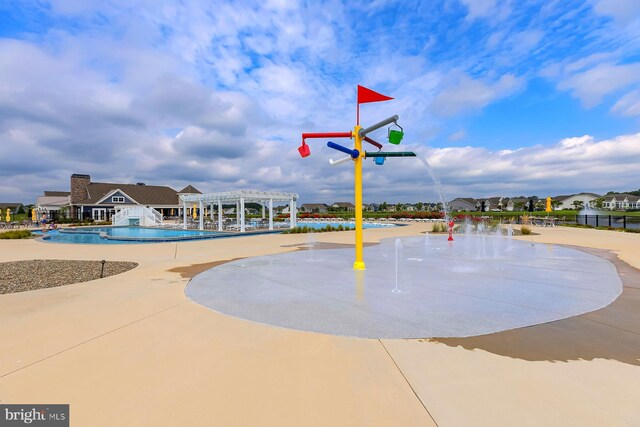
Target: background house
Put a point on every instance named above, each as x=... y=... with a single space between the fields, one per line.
x=575 y=201
x=514 y=204
x=14 y=208
x=314 y=208
x=620 y=201
x=343 y=206
x=463 y=204
x=54 y=204
x=100 y=200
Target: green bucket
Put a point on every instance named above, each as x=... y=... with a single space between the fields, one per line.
x=395 y=136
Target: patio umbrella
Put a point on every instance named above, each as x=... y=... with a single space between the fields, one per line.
x=548 y=208
x=195 y=212
x=8 y=215
x=34 y=216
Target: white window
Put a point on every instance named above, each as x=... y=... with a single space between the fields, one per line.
x=117 y=199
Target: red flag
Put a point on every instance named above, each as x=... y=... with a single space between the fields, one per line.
x=367 y=95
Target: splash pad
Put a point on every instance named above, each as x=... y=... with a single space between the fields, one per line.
x=414 y=287
x=474 y=286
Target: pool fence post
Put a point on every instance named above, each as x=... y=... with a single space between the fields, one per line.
x=241 y=214
x=184 y=214
x=291 y=221
x=270 y=214
x=624 y=221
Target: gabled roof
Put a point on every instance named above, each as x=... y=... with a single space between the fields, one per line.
x=116 y=191
x=561 y=198
x=143 y=194
x=470 y=200
x=344 y=204
x=57 y=193
x=189 y=189
x=10 y=205
x=622 y=196
x=52 y=200
x=517 y=200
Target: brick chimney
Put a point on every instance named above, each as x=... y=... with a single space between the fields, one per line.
x=79 y=185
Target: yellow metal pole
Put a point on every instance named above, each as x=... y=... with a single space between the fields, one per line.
x=359 y=262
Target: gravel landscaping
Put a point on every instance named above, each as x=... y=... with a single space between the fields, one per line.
x=20 y=276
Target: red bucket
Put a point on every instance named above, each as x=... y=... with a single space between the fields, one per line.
x=304 y=150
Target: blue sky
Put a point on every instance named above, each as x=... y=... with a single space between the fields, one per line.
x=501 y=97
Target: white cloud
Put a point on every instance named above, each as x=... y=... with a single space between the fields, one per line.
x=628 y=105
x=468 y=94
x=623 y=11
x=457 y=136
x=480 y=8
x=216 y=94
x=591 y=85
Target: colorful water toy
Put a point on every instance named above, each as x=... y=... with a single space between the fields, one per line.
x=356 y=154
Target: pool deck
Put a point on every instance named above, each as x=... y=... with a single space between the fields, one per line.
x=132 y=349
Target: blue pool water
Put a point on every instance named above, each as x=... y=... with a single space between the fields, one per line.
x=347 y=224
x=118 y=235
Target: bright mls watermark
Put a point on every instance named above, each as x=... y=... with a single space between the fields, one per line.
x=34 y=415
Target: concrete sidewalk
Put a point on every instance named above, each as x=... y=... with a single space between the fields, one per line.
x=133 y=350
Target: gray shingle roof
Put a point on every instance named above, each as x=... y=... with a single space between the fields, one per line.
x=143 y=194
x=189 y=189
x=57 y=193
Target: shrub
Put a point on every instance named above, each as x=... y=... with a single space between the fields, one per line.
x=15 y=234
x=439 y=227
x=327 y=228
x=525 y=230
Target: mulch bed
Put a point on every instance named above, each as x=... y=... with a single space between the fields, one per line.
x=20 y=276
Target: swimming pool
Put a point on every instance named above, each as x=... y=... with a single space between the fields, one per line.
x=118 y=235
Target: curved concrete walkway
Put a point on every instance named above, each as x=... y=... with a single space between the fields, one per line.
x=133 y=350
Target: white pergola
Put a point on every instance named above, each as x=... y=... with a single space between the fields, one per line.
x=239 y=198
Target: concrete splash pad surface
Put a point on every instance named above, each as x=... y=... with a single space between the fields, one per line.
x=475 y=286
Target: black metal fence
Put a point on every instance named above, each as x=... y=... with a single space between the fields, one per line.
x=613 y=221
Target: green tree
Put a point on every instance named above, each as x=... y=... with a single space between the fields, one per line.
x=64 y=212
x=599 y=202
x=383 y=206
x=578 y=205
x=419 y=206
